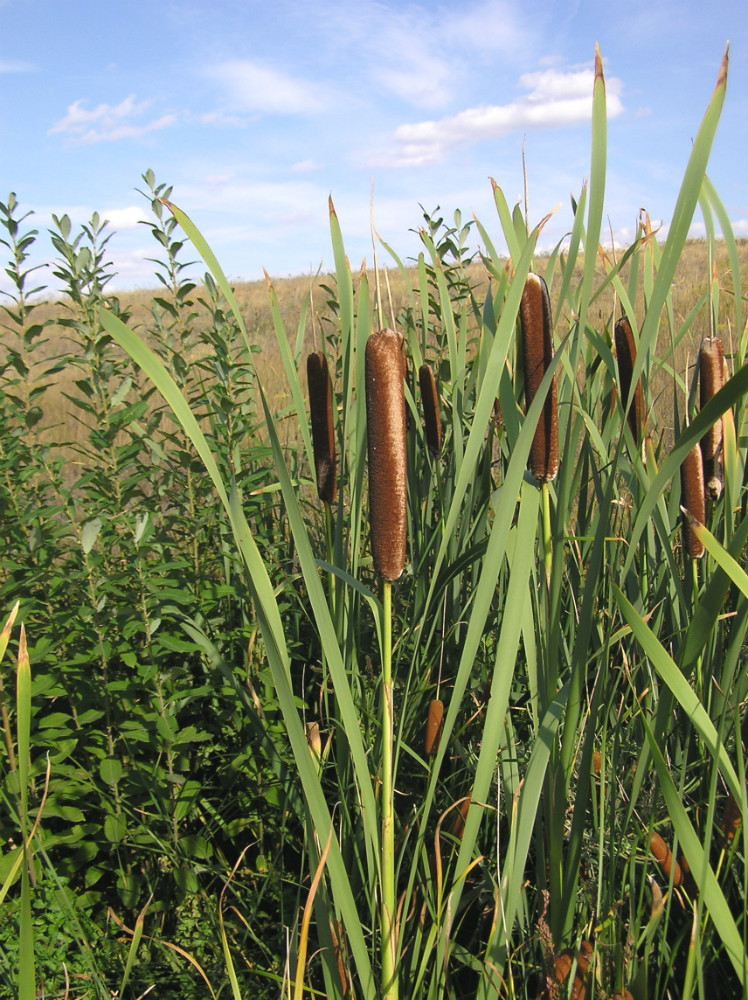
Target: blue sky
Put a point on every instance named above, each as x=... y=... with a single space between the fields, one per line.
x=257 y=112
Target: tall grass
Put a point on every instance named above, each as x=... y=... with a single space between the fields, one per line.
x=592 y=674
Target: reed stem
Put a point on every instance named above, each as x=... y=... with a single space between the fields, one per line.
x=387 y=919
x=547 y=535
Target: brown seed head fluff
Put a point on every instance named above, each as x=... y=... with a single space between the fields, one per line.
x=692 y=498
x=664 y=858
x=626 y=355
x=430 y=402
x=385 y=432
x=711 y=365
x=537 y=349
x=323 y=432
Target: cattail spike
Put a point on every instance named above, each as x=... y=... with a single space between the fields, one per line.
x=626 y=356
x=536 y=321
x=430 y=402
x=692 y=499
x=664 y=858
x=323 y=431
x=385 y=431
x=434 y=726
x=711 y=368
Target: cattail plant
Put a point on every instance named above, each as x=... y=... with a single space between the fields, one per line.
x=385 y=428
x=692 y=499
x=626 y=357
x=385 y=431
x=323 y=432
x=537 y=350
x=711 y=367
x=430 y=401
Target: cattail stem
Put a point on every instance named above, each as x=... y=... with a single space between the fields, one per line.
x=388 y=896
x=547 y=534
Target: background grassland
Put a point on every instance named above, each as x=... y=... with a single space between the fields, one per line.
x=695 y=267
x=198 y=723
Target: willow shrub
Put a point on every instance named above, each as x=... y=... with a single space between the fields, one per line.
x=592 y=674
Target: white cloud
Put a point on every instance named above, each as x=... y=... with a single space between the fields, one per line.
x=108 y=122
x=254 y=87
x=15 y=66
x=120 y=219
x=556 y=99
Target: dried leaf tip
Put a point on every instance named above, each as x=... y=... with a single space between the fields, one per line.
x=598 y=65
x=724 y=65
x=536 y=323
x=385 y=433
x=430 y=402
x=323 y=430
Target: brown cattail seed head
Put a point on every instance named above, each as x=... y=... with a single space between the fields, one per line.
x=323 y=432
x=626 y=355
x=664 y=858
x=692 y=498
x=458 y=825
x=430 y=402
x=536 y=321
x=730 y=822
x=385 y=431
x=434 y=726
x=711 y=367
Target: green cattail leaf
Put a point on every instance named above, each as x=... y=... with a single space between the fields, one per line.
x=720 y=555
x=710 y=892
x=202 y=247
x=319 y=811
x=684 y=694
x=133 y=950
x=23 y=722
x=708 y=609
x=598 y=157
x=728 y=237
x=507 y=223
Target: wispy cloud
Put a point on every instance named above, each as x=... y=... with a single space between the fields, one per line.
x=251 y=86
x=107 y=123
x=556 y=99
x=423 y=54
x=16 y=66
